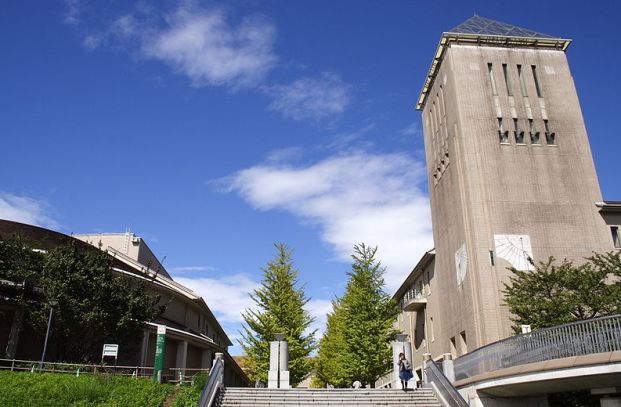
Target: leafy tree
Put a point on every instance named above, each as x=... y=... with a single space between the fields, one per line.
x=356 y=345
x=332 y=351
x=280 y=310
x=556 y=294
x=95 y=305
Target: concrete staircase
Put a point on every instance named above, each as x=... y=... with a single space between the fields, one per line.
x=245 y=397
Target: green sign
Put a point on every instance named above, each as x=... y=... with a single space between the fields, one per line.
x=160 y=348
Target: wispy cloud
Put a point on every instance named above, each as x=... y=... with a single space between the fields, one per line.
x=203 y=45
x=311 y=98
x=226 y=296
x=26 y=210
x=358 y=197
x=200 y=43
x=318 y=309
x=72 y=12
x=411 y=130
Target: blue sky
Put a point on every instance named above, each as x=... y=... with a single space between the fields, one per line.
x=214 y=129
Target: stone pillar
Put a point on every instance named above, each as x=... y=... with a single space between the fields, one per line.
x=182 y=358
x=283 y=365
x=272 y=374
x=278 y=375
x=426 y=357
x=447 y=367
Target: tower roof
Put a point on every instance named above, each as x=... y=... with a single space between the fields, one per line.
x=481 y=31
x=485 y=26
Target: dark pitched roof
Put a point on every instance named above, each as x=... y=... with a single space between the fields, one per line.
x=485 y=26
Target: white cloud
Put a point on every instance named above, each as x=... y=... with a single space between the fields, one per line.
x=72 y=12
x=226 y=296
x=202 y=44
x=319 y=309
x=411 y=130
x=361 y=197
x=25 y=210
x=311 y=98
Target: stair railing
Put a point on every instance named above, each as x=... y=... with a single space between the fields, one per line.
x=442 y=386
x=214 y=384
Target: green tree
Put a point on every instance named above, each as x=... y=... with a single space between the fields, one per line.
x=95 y=305
x=356 y=345
x=555 y=294
x=280 y=309
x=332 y=351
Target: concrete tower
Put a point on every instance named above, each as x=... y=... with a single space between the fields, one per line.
x=511 y=176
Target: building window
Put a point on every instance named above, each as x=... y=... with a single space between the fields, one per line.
x=534 y=134
x=453 y=347
x=492 y=262
x=519 y=135
x=464 y=344
x=503 y=135
x=521 y=78
x=433 y=338
x=534 y=68
x=491 y=79
x=507 y=80
x=615 y=237
x=550 y=136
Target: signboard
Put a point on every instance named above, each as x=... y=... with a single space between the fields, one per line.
x=160 y=348
x=110 y=349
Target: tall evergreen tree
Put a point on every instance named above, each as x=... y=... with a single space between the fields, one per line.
x=332 y=351
x=356 y=345
x=280 y=309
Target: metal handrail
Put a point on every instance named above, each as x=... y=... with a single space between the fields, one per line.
x=597 y=335
x=215 y=383
x=441 y=385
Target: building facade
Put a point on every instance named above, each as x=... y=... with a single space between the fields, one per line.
x=193 y=334
x=511 y=180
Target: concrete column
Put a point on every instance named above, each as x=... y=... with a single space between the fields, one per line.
x=206 y=359
x=426 y=357
x=182 y=356
x=272 y=374
x=447 y=367
x=283 y=365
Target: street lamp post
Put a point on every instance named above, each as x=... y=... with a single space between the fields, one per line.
x=52 y=303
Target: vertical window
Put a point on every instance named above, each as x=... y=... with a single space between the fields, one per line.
x=536 y=81
x=464 y=344
x=550 y=136
x=431 y=329
x=534 y=134
x=492 y=262
x=491 y=79
x=453 y=347
x=503 y=135
x=615 y=237
x=519 y=135
x=521 y=78
x=507 y=80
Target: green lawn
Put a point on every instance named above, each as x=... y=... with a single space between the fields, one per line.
x=61 y=390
